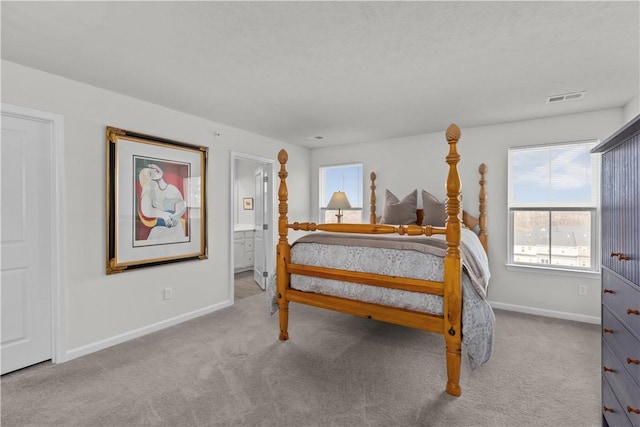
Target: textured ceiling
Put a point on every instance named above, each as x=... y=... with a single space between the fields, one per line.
x=349 y=71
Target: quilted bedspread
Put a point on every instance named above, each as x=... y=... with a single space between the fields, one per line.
x=418 y=257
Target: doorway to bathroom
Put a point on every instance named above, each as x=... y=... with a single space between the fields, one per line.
x=252 y=239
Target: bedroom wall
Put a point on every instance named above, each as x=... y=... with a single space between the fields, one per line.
x=405 y=164
x=102 y=310
x=245 y=187
x=632 y=109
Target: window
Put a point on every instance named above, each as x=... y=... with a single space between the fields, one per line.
x=347 y=178
x=553 y=206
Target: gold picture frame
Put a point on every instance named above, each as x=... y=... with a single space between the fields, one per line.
x=156 y=201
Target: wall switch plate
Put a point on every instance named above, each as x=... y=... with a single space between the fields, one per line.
x=582 y=290
x=168 y=293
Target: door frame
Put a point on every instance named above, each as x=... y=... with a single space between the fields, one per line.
x=56 y=187
x=270 y=253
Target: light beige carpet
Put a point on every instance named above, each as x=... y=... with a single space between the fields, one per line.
x=244 y=286
x=228 y=368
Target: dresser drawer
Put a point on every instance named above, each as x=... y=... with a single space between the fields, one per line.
x=625 y=346
x=625 y=389
x=612 y=409
x=622 y=298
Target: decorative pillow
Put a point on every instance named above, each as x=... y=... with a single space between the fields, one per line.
x=434 y=210
x=400 y=212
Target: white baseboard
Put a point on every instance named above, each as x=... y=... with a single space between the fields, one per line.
x=118 y=339
x=546 y=313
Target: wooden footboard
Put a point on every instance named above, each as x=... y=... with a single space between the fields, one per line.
x=449 y=324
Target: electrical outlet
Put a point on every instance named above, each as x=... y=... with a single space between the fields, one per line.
x=582 y=290
x=168 y=293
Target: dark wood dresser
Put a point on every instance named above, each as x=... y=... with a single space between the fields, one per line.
x=621 y=276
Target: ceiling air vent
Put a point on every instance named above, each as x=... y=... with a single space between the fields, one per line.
x=565 y=97
x=315 y=138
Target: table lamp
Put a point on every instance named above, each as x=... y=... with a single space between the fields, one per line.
x=339 y=201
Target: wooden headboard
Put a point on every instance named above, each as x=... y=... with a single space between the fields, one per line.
x=469 y=220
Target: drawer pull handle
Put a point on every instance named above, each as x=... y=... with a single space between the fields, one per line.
x=607 y=409
x=634 y=410
x=634 y=361
x=631 y=311
x=608 y=369
x=608 y=291
x=620 y=255
x=607 y=330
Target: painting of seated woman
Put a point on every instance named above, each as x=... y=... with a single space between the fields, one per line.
x=161 y=208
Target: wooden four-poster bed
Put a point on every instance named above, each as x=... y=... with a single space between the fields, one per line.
x=445 y=286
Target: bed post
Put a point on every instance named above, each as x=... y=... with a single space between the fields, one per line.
x=452 y=267
x=372 y=216
x=283 y=249
x=484 y=239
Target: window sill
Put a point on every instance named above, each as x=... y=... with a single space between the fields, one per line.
x=554 y=271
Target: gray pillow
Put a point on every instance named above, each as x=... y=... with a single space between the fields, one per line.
x=434 y=210
x=400 y=212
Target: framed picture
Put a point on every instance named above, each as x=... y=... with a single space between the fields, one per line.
x=247 y=203
x=156 y=201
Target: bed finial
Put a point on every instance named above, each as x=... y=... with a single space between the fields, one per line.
x=453 y=133
x=283 y=195
x=283 y=156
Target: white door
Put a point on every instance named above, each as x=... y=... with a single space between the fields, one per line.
x=259 y=260
x=26 y=272
x=264 y=249
x=268 y=201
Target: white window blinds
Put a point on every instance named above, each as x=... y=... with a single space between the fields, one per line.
x=560 y=175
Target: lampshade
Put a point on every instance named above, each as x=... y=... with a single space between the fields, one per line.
x=339 y=201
